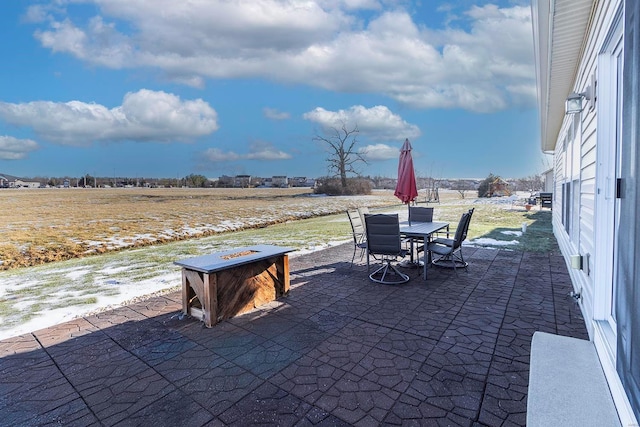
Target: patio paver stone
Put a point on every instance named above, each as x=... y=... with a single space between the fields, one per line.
x=338 y=350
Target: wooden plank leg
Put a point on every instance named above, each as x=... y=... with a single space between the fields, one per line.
x=283 y=264
x=210 y=297
x=185 y=293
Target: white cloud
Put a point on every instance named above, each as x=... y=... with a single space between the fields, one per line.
x=325 y=43
x=379 y=152
x=259 y=150
x=15 y=149
x=377 y=123
x=35 y=14
x=273 y=114
x=350 y=4
x=143 y=116
x=217 y=155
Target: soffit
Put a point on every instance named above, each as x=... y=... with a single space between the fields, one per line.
x=559 y=39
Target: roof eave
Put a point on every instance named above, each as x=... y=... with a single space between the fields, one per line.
x=559 y=32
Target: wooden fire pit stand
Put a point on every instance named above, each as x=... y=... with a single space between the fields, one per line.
x=224 y=284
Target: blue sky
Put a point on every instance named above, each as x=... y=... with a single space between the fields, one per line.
x=167 y=88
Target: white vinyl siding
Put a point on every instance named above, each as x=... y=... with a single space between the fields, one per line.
x=571 y=57
x=575 y=158
x=582 y=178
x=588 y=190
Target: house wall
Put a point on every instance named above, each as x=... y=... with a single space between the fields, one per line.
x=575 y=163
x=26 y=184
x=572 y=213
x=576 y=167
x=547 y=177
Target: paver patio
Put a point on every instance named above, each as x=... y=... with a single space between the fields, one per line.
x=339 y=350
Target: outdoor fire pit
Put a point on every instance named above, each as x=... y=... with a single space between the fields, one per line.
x=224 y=284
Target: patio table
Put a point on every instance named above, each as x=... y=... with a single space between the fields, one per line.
x=422 y=230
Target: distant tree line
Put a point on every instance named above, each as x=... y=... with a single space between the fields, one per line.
x=333 y=185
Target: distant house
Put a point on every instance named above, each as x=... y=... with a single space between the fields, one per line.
x=18 y=183
x=279 y=181
x=248 y=181
x=265 y=182
x=499 y=187
x=298 y=181
x=588 y=76
x=225 y=181
x=8 y=181
x=242 y=181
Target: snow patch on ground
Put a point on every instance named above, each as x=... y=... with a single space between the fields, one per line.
x=487 y=241
x=75 y=275
x=112 y=282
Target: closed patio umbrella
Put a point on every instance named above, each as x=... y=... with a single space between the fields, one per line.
x=406 y=188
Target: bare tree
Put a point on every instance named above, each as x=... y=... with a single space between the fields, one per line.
x=342 y=151
x=462 y=186
x=195 y=181
x=532 y=183
x=431 y=183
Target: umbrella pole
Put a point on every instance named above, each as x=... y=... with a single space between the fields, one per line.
x=413 y=261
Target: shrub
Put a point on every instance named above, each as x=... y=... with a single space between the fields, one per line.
x=485 y=186
x=333 y=187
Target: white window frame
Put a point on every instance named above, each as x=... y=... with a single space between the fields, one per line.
x=605 y=336
x=609 y=120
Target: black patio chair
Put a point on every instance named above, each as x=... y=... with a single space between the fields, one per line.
x=359 y=234
x=383 y=241
x=450 y=231
x=419 y=214
x=450 y=250
x=363 y=210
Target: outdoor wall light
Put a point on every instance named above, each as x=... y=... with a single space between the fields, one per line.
x=574 y=103
x=576 y=262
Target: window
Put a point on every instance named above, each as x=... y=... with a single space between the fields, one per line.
x=566 y=206
x=574 y=213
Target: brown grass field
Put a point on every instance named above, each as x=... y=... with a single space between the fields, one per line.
x=46 y=225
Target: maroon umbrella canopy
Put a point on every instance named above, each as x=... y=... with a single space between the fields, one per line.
x=406 y=188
